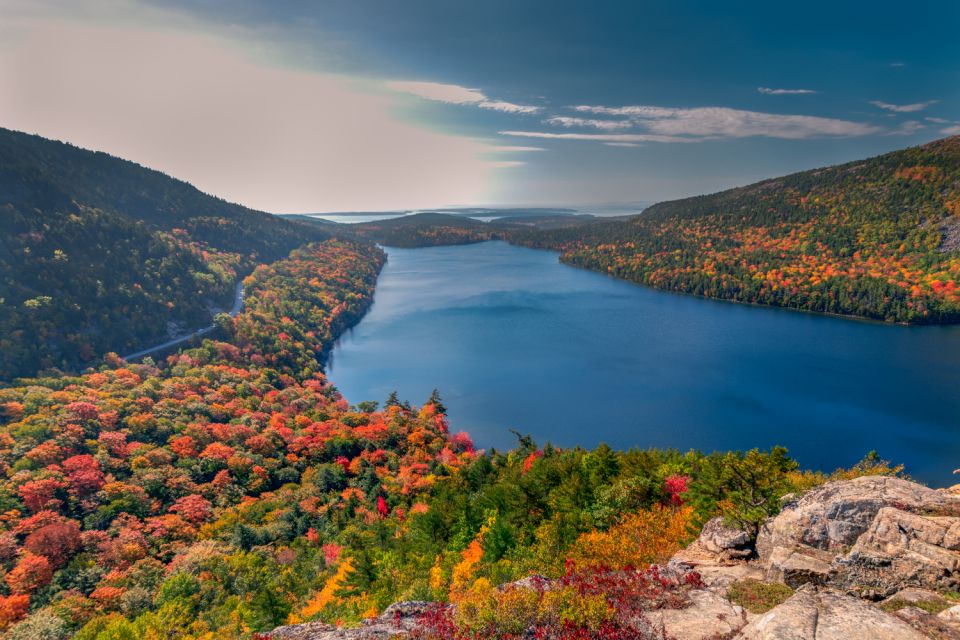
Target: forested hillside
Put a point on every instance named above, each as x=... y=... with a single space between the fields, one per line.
x=231 y=489
x=99 y=254
x=878 y=238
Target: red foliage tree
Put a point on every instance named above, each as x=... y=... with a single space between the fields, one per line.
x=83 y=474
x=676 y=486
x=40 y=494
x=31 y=573
x=217 y=451
x=183 y=446
x=57 y=542
x=193 y=508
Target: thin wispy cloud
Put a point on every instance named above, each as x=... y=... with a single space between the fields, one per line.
x=599 y=137
x=951 y=131
x=701 y=123
x=897 y=65
x=512 y=149
x=908 y=128
x=937 y=120
x=903 y=108
x=785 y=92
x=592 y=123
x=622 y=144
x=456 y=94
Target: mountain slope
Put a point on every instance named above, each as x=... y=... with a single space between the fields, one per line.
x=876 y=238
x=101 y=254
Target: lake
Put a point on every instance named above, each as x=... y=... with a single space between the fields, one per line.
x=513 y=339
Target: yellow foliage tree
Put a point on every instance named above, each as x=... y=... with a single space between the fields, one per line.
x=463 y=572
x=641 y=539
x=326 y=595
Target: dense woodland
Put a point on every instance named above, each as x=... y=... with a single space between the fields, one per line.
x=878 y=238
x=99 y=254
x=231 y=489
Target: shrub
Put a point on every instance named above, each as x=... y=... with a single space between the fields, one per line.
x=756 y=596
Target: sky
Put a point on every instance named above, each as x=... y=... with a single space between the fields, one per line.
x=363 y=105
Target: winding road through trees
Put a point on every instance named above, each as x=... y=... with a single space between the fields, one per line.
x=237 y=308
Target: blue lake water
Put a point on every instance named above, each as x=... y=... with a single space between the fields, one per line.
x=512 y=338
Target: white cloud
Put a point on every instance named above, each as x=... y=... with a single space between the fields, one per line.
x=897 y=65
x=903 y=108
x=784 y=92
x=908 y=128
x=721 y=122
x=175 y=95
x=603 y=125
x=937 y=120
x=451 y=93
x=455 y=94
x=622 y=144
x=512 y=149
x=951 y=131
x=599 y=137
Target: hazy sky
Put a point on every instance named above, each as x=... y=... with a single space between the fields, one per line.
x=289 y=105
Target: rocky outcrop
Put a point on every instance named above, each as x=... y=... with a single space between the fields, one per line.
x=813 y=613
x=875 y=535
x=928 y=625
x=724 y=541
x=719 y=555
x=904 y=549
x=706 y=616
x=794 y=567
x=397 y=620
x=832 y=517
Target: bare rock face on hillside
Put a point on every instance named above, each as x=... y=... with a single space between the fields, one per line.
x=874 y=534
x=813 y=613
x=397 y=620
x=707 y=615
x=728 y=543
x=832 y=517
x=902 y=548
x=719 y=555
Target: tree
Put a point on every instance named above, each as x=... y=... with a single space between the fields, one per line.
x=392 y=400
x=194 y=508
x=83 y=474
x=746 y=486
x=31 y=573
x=13 y=608
x=436 y=402
x=57 y=542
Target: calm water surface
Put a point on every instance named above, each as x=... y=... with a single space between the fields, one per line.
x=514 y=339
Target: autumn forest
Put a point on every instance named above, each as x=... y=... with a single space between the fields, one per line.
x=227 y=488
